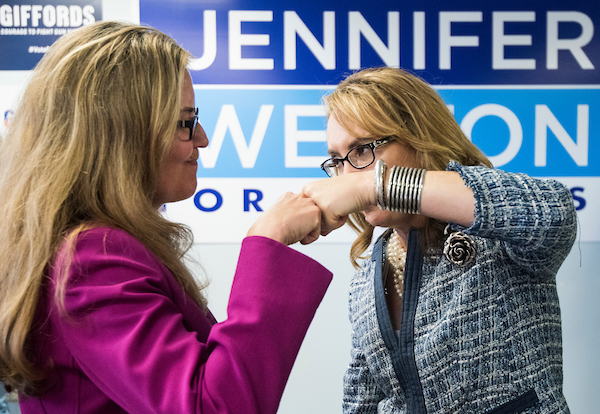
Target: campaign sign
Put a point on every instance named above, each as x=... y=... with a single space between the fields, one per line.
x=280 y=132
x=521 y=79
x=265 y=140
x=27 y=29
x=460 y=42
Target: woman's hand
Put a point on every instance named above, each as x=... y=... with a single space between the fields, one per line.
x=340 y=196
x=292 y=218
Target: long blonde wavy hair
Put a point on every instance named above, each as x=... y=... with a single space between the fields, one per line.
x=392 y=102
x=84 y=149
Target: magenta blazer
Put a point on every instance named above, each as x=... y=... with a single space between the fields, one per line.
x=135 y=342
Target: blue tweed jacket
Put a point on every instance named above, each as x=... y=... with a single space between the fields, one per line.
x=479 y=338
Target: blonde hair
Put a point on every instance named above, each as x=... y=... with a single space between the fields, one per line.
x=84 y=150
x=392 y=102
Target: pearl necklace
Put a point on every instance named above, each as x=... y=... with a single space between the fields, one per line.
x=396 y=254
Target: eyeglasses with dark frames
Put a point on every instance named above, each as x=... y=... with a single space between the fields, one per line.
x=191 y=124
x=359 y=157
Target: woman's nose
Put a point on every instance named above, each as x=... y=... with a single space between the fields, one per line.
x=200 y=138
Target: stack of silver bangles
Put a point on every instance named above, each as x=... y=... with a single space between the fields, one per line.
x=403 y=188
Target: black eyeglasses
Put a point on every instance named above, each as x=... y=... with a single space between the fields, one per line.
x=359 y=157
x=191 y=124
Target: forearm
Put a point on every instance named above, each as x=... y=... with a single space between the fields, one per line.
x=273 y=299
x=446 y=197
x=442 y=195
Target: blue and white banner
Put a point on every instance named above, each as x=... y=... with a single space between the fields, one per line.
x=460 y=42
x=521 y=79
x=28 y=28
x=279 y=130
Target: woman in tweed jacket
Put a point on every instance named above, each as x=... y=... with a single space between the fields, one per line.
x=470 y=321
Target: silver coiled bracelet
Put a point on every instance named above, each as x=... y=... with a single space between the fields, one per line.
x=380 y=168
x=404 y=188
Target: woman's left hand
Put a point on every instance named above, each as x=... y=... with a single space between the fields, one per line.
x=338 y=197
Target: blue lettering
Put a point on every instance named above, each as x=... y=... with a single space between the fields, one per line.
x=577 y=198
x=247 y=202
x=218 y=202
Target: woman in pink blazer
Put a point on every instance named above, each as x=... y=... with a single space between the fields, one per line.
x=100 y=314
